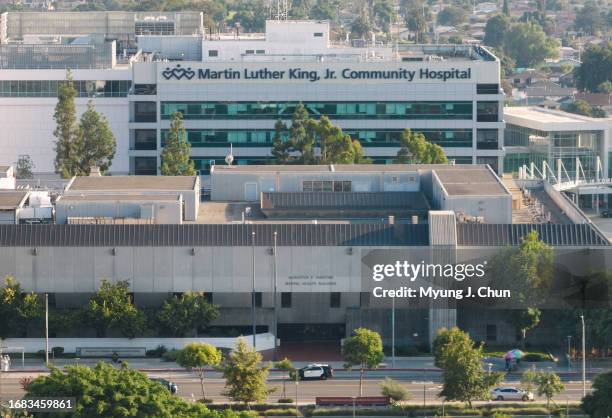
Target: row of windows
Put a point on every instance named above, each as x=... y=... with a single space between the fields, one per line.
x=327 y=186
x=48 y=88
x=336 y=110
x=286 y=299
x=145 y=139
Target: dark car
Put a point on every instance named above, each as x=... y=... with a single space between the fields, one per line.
x=316 y=371
x=171 y=386
x=606 y=214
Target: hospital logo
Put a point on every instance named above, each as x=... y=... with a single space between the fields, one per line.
x=178 y=73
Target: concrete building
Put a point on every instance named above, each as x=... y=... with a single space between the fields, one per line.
x=310 y=273
x=11 y=203
x=143 y=199
x=232 y=90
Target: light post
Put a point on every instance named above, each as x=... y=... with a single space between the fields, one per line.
x=489 y=365
x=583 y=358
x=353 y=407
x=275 y=303
x=253 y=290
x=296 y=396
x=46 y=329
x=393 y=332
x=569 y=352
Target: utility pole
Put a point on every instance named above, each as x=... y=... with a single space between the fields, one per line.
x=46 y=329
x=569 y=352
x=275 y=303
x=253 y=317
x=583 y=358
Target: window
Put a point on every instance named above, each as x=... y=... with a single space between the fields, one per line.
x=250 y=51
x=334 y=299
x=487 y=88
x=486 y=139
x=145 y=166
x=337 y=110
x=364 y=299
x=213 y=53
x=307 y=186
x=51 y=299
x=258 y=299
x=145 y=139
x=487 y=111
x=492 y=161
x=145 y=112
x=145 y=89
x=491 y=332
x=318 y=34
x=48 y=88
x=260 y=52
x=208 y=297
x=286 y=300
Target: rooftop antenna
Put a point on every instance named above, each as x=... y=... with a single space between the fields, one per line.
x=278 y=9
x=229 y=158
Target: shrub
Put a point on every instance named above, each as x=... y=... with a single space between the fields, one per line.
x=536 y=357
x=285 y=400
x=170 y=355
x=24 y=382
x=393 y=390
x=498 y=414
x=157 y=352
x=280 y=412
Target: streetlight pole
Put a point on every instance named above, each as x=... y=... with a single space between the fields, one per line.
x=46 y=329
x=253 y=317
x=569 y=352
x=296 y=396
x=275 y=302
x=393 y=332
x=583 y=358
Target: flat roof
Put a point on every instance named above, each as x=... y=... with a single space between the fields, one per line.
x=118 y=197
x=11 y=199
x=272 y=168
x=552 y=120
x=478 y=181
x=139 y=183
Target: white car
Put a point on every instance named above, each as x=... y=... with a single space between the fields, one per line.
x=316 y=371
x=511 y=394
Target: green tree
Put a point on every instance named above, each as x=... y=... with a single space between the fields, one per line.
x=291 y=373
x=250 y=15
x=529 y=379
x=324 y=10
x=415 y=149
x=384 y=14
x=579 y=107
x=281 y=144
x=416 y=17
x=527 y=271
x=245 y=379
x=184 y=314
x=548 y=384
x=198 y=356
x=463 y=378
x=598 y=403
x=67 y=130
x=452 y=16
x=18 y=309
x=496 y=29
x=106 y=391
x=363 y=349
x=24 y=167
x=177 y=150
x=111 y=307
x=336 y=146
x=596 y=67
x=528 y=45
x=302 y=135
x=96 y=143
x=589 y=18
x=361 y=27
x=506 y=8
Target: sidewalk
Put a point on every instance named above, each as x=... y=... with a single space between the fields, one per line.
x=406 y=364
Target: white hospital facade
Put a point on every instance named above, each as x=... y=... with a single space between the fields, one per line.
x=232 y=89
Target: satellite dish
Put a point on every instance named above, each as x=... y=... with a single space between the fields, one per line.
x=229 y=158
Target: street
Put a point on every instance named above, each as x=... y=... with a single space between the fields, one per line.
x=343 y=384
